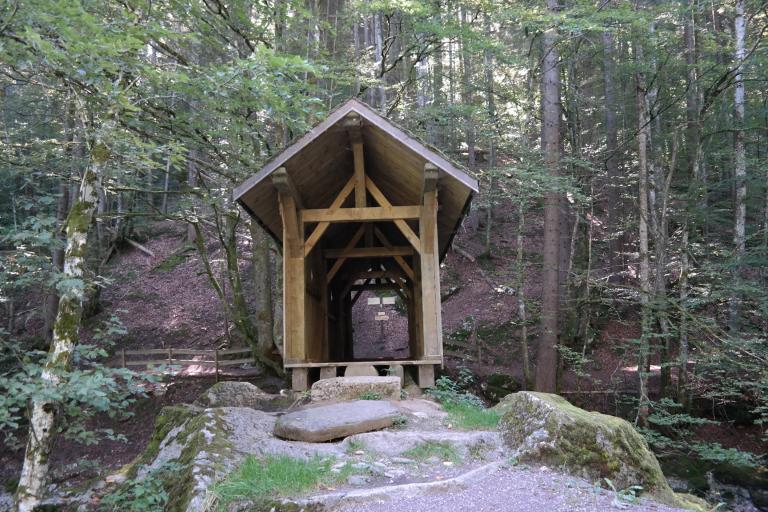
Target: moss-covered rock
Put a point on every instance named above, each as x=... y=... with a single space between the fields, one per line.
x=241 y=394
x=193 y=447
x=547 y=429
x=196 y=442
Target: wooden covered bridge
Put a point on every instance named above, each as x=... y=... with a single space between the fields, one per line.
x=358 y=204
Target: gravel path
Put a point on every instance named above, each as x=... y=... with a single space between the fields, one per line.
x=512 y=490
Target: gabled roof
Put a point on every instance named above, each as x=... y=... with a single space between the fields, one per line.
x=320 y=163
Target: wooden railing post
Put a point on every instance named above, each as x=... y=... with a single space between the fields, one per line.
x=123 y=357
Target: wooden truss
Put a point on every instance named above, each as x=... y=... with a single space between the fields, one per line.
x=318 y=300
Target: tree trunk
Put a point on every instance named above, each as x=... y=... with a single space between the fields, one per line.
x=643 y=126
x=42 y=423
x=612 y=158
x=192 y=183
x=438 y=100
x=51 y=305
x=697 y=193
x=546 y=360
x=379 y=64
x=262 y=276
x=740 y=171
x=522 y=314
x=466 y=93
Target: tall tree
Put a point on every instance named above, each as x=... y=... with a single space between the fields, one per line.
x=739 y=168
x=42 y=422
x=643 y=136
x=546 y=360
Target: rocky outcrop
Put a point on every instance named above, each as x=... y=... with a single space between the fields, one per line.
x=547 y=429
x=203 y=445
x=355 y=388
x=328 y=422
x=241 y=394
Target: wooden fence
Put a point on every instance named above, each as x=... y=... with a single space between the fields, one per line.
x=184 y=357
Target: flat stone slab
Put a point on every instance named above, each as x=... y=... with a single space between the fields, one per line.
x=361 y=371
x=355 y=388
x=334 y=421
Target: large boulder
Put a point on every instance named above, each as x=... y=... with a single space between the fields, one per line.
x=355 y=388
x=334 y=421
x=547 y=429
x=241 y=394
x=201 y=446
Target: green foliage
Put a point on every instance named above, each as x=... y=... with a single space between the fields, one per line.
x=400 y=422
x=446 y=390
x=142 y=494
x=442 y=450
x=261 y=480
x=87 y=389
x=371 y=395
x=471 y=417
x=355 y=445
x=673 y=433
x=623 y=498
x=465 y=410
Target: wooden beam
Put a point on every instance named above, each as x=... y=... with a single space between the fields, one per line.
x=356 y=139
x=374 y=286
x=352 y=242
x=403 y=226
x=377 y=274
x=370 y=214
x=368 y=252
x=357 y=295
x=375 y=362
x=399 y=259
x=429 y=265
x=322 y=226
x=294 y=282
x=431 y=175
x=284 y=184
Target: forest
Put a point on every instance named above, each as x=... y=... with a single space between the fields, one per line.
x=616 y=254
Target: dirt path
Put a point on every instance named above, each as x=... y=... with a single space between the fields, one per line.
x=511 y=490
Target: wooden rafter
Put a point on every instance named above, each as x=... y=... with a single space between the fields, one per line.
x=369 y=214
x=358 y=294
x=321 y=227
x=403 y=226
x=399 y=259
x=369 y=252
x=339 y=262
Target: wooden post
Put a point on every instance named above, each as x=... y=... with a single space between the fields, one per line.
x=170 y=361
x=294 y=271
x=327 y=372
x=429 y=266
x=426 y=376
x=123 y=357
x=216 y=360
x=300 y=379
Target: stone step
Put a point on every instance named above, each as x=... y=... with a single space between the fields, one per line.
x=334 y=421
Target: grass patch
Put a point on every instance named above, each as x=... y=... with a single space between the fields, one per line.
x=441 y=450
x=262 y=480
x=371 y=395
x=471 y=417
x=355 y=445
